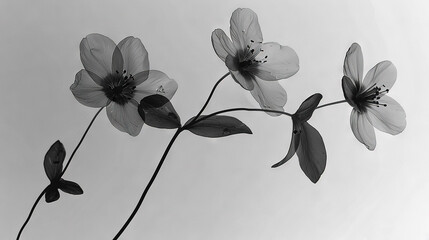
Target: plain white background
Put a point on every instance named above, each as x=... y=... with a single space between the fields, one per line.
x=212 y=188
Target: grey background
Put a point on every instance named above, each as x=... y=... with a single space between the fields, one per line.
x=212 y=188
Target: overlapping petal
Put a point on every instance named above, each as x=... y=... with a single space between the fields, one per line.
x=222 y=44
x=281 y=62
x=269 y=95
x=353 y=63
x=362 y=129
x=389 y=118
x=125 y=118
x=134 y=54
x=382 y=74
x=87 y=92
x=157 y=82
x=245 y=82
x=96 y=53
x=244 y=27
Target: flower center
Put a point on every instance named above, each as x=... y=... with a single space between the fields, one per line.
x=118 y=87
x=371 y=97
x=247 y=58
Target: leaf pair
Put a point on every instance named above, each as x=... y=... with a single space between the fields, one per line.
x=306 y=141
x=53 y=165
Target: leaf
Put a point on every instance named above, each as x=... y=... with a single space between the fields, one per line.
x=70 y=187
x=54 y=159
x=304 y=112
x=294 y=144
x=218 y=126
x=157 y=111
x=51 y=194
x=311 y=153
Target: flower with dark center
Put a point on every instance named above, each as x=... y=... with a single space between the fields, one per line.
x=118 y=77
x=256 y=66
x=371 y=105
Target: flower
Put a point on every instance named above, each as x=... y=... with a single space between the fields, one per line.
x=53 y=165
x=118 y=76
x=256 y=66
x=306 y=141
x=371 y=105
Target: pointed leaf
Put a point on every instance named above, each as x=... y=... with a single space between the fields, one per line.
x=294 y=144
x=157 y=111
x=70 y=187
x=54 y=159
x=218 y=126
x=307 y=108
x=311 y=153
x=52 y=194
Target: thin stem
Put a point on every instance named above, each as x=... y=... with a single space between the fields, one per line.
x=31 y=212
x=210 y=96
x=80 y=142
x=152 y=179
x=64 y=170
x=243 y=109
x=332 y=103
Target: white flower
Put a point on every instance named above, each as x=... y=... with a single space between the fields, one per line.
x=371 y=105
x=118 y=77
x=256 y=66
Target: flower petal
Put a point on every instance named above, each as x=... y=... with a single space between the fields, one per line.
x=353 y=63
x=244 y=27
x=96 y=53
x=70 y=187
x=125 y=118
x=51 y=194
x=362 y=129
x=270 y=95
x=311 y=153
x=135 y=55
x=281 y=62
x=383 y=75
x=222 y=44
x=87 y=92
x=117 y=62
x=156 y=83
x=389 y=119
x=53 y=162
x=245 y=82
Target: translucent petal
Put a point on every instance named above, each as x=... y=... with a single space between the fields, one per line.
x=384 y=73
x=117 y=62
x=222 y=44
x=353 y=63
x=157 y=83
x=281 y=62
x=362 y=129
x=311 y=152
x=244 y=27
x=269 y=95
x=53 y=162
x=96 y=53
x=70 y=187
x=125 y=118
x=87 y=92
x=135 y=55
x=389 y=119
x=52 y=194
x=245 y=82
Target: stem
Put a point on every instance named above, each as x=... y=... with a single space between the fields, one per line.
x=332 y=103
x=31 y=212
x=210 y=96
x=152 y=179
x=242 y=109
x=64 y=170
x=80 y=142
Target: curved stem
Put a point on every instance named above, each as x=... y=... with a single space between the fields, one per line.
x=332 y=103
x=80 y=142
x=31 y=213
x=152 y=179
x=62 y=173
x=242 y=109
x=210 y=96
